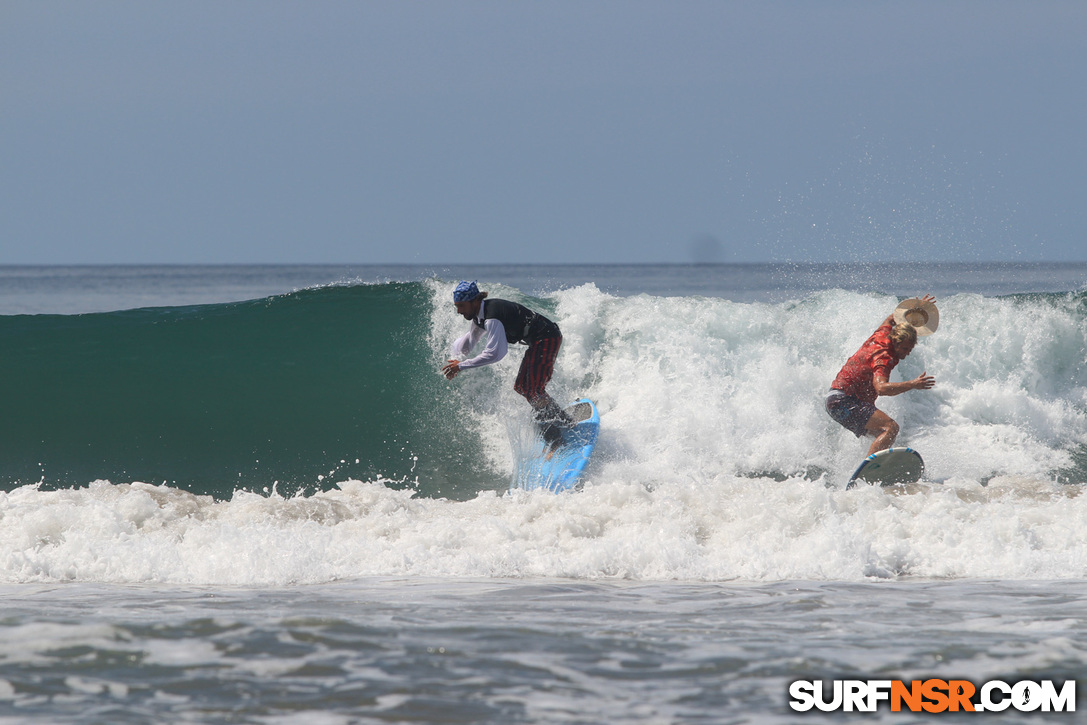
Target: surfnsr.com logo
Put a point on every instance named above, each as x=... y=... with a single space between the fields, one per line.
x=933 y=696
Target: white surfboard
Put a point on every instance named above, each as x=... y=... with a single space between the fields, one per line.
x=888 y=467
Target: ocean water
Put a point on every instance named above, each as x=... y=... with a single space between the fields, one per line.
x=245 y=494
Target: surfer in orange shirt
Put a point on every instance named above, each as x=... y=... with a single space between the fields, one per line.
x=865 y=376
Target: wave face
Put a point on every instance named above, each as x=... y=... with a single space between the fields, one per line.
x=287 y=391
x=316 y=424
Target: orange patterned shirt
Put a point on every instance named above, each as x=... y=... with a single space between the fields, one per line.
x=875 y=356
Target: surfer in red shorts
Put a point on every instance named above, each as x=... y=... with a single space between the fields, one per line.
x=504 y=323
x=865 y=376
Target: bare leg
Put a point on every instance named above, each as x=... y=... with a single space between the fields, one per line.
x=883 y=427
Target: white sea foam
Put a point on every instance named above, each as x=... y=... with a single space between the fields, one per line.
x=716 y=462
x=699 y=529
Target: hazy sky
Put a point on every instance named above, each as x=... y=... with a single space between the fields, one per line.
x=541 y=132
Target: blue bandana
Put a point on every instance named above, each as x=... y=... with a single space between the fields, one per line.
x=465 y=292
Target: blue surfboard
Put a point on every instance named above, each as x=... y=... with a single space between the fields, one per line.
x=560 y=472
x=888 y=467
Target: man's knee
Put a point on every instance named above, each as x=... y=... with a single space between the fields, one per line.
x=889 y=432
x=882 y=424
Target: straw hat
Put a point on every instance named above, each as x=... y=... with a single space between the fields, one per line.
x=924 y=316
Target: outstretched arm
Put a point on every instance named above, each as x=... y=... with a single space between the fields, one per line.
x=924 y=381
x=461 y=347
x=494 y=350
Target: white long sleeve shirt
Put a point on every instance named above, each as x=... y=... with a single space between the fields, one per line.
x=495 y=348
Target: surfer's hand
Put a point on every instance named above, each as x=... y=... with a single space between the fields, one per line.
x=924 y=381
x=450 y=369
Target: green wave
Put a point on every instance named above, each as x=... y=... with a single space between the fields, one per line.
x=291 y=391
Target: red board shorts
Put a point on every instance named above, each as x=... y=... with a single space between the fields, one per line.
x=537 y=368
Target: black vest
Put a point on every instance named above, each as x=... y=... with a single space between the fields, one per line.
x=521 y=323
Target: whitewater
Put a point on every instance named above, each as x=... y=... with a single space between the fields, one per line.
x=712 y=556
